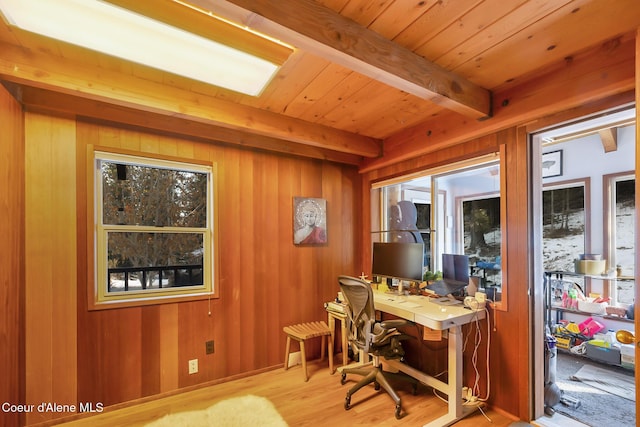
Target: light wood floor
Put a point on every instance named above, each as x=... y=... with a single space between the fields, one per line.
x=320 y=401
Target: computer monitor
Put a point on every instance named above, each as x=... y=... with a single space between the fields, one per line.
x=455 y=267
x=455 y=275
x=398 y=260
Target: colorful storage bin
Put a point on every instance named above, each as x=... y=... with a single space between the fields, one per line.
x=590 y=327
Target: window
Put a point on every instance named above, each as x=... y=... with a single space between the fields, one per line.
x=621 y=252
x=406 y=216
x=154 y=228
x=482 y=237
x=564 y=223
x=457 y=209
x=474 y=194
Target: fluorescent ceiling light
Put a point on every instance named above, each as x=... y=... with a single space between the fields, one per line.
x=106 y=28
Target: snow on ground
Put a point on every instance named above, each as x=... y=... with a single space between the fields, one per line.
x=118 y=285
x=560 y=253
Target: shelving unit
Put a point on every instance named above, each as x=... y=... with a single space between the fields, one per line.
x=554 y=293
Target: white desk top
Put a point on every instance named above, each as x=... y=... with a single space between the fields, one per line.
x=424 y=311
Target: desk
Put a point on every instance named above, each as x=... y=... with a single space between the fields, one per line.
x=423 y=311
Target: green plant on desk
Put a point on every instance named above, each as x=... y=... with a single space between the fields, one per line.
x=430 y=276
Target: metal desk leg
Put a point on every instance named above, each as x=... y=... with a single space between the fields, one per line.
x=454 y=393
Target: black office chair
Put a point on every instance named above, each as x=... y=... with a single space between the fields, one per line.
x=374 y=338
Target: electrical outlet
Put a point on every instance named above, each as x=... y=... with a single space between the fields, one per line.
x=193 y=366
x=209 y=347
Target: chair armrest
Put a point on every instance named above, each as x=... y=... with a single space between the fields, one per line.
x=396 y=323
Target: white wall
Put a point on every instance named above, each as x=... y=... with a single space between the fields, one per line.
x=585 y=157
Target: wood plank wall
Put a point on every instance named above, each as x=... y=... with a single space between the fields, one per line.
x=111 y=356
x=119 y=355
x=50 y=260
x=11 y=255
x=510 y=350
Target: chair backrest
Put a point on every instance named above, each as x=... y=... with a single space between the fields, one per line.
x=360 y=310
x=409 y=222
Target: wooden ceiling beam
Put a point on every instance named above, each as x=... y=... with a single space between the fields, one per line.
x=605 y=71
x=308 y=25
x=609 y=138
x=40 y=99
x=98 y=84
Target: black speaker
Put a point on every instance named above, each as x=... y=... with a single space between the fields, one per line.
x=122 y=172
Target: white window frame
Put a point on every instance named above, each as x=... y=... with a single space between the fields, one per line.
x=442 y=241
x=102 y=298
x=585 y=183
x=611 y=231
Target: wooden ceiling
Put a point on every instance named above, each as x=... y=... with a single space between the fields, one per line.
x=364 y=74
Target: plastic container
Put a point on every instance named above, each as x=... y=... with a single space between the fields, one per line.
x=590 y=327
x=592 y=307
x=610 y=355
x=627 y=356
x=591 y=267
x=572 y=327
x=564 y=342
x=573 y=299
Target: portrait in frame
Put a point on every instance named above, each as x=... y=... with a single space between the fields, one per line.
x=309 y=221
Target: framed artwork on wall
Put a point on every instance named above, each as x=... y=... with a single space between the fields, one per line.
x=309 y=221
x=552 y=164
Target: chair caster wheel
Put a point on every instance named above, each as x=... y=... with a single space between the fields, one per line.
x=347 y=403
x=414 y=389
x=398 y=409
x=343 y=379
x=376 y=386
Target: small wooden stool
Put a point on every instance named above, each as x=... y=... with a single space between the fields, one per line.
x=302 y=332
